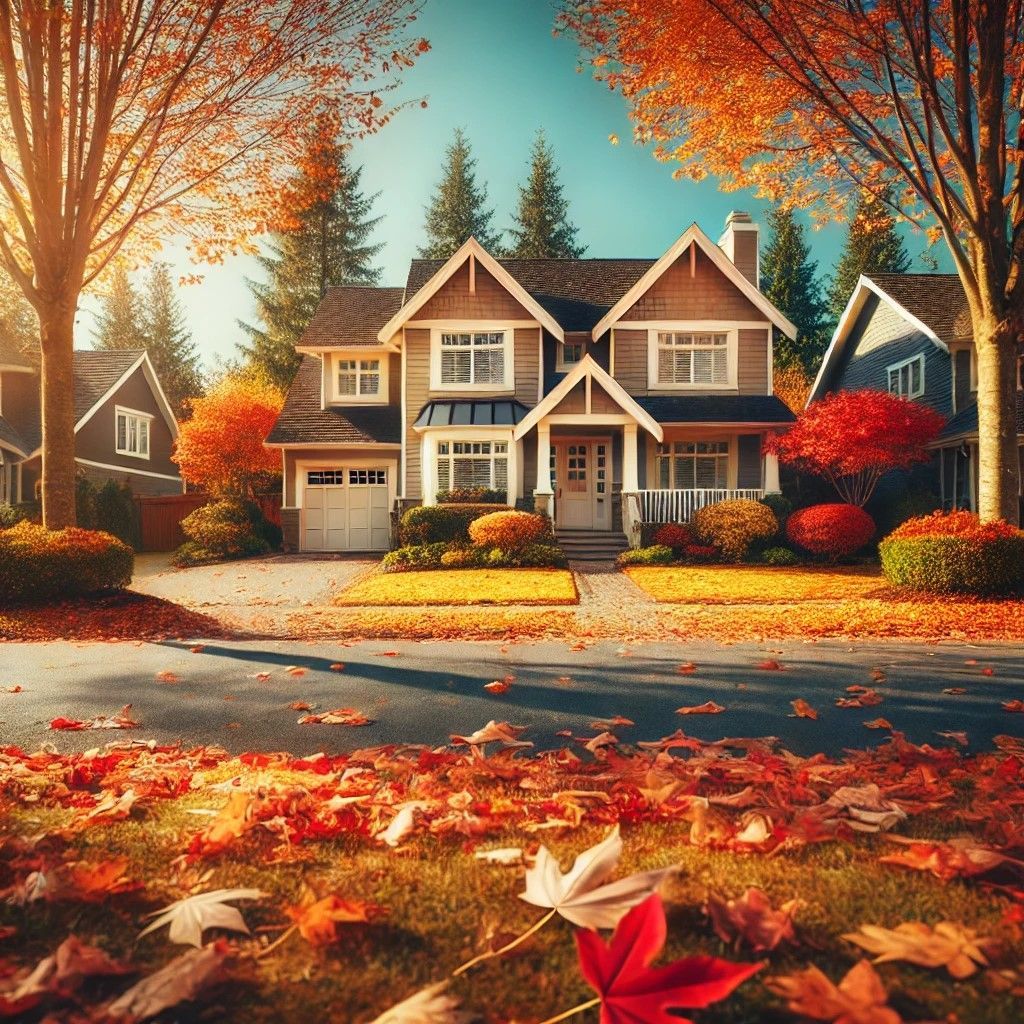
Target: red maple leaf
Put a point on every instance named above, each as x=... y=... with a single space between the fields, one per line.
x=631 y=990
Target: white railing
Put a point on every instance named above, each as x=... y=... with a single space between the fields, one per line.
x=672 y=506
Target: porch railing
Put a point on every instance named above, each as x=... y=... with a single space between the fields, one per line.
x=678 y=506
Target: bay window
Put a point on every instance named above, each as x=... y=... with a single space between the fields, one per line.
x=685 y=465
x=692 y=358
x=131 y=433
x=469 y=464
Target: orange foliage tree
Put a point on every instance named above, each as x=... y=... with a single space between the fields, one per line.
x=129 y=121
x=220 y=447
x=916 y=102
x=792 y=384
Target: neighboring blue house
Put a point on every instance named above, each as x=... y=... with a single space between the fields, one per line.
x=910 y=334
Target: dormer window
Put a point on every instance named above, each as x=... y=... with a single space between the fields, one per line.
x=906 y=378
x=358 y=378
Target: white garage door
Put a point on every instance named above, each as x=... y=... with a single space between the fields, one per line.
x=346 y=510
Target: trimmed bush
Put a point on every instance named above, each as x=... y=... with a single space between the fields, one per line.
x=37 y=564
x=733 y=526
x=509 y=531
x=954 y=552
x=781 y=506
x=779 y=556
x=416 y=556
x=220 y=531
x=419 y=557
x=700 y=554
x=538 y=556
x=834 y=531
x=674 y=535
x=472 y=496
x=435 y=524
x=656 y=554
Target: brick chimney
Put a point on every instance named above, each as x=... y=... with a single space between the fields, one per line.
x=740 y=243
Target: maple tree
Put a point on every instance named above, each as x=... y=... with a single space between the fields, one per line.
x=126 y=123
x=917 y=102
x=220 y=447
x=853 y=438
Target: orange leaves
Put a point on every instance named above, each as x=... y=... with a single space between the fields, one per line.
x=95 y=881
x=959 y=950
x=769 y=665
x=121 y=720
x=752 y=919
x=1013 y=705
x=500 y=685
x=801 y=709
x=339 y=716
x=707 y=708
x=961 y=857
x=317 y=919
x=860 y=998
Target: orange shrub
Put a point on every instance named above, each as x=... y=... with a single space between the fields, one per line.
x=509 y=531
x=733 y=526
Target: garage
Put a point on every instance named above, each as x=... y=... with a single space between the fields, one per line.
x=346 y=509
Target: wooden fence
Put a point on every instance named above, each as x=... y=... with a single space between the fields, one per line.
x=160 y=517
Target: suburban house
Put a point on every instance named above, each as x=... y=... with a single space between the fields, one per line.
x=911 y=334
x=605 y=392
x=124 y=427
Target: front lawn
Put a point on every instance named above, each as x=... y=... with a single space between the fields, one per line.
x=462 y=587
x=748 y=584
x=385 y=844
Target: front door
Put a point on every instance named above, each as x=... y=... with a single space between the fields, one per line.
x=582 y=474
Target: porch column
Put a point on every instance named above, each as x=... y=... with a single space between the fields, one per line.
x=543 y=492
x=630 y=478
x=771 y=474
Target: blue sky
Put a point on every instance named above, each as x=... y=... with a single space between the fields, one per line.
x=495 y=70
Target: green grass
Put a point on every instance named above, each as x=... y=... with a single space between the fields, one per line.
x=442 y=904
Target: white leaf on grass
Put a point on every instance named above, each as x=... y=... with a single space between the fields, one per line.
x=190 y=917
x=506 y=855
x=428 y=1006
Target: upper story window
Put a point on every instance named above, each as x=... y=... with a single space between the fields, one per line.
x=696 y=358
x=131 y=436
x=906 y=378
x=569 y=354
x=359 y=378
x=473 y=358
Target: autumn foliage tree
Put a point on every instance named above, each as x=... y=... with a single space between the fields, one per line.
x=220 y=447
x=916 y=102
x=130 y=121
x=853 y=438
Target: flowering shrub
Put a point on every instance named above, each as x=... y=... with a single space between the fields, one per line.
x=832 y=530
x=221 y=530
x=41 y=564
x=954 y=552
x=432 y=524
x=656 y=554
x=853 y=438
x=509 y=531
x=674 y=535
x=733 y=526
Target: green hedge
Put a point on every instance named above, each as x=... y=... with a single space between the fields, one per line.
x=954 y=565
x=436 y=524
x=656 y=554
x=439 y=555
x=224 y=530
x=37 y=564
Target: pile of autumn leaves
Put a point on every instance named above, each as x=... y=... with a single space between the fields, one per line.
x=740 y=795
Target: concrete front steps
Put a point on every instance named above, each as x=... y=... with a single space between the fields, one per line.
x=591 y=545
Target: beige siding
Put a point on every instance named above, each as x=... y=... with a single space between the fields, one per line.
x=752 y=371
x=490 y=300
x=631 y=360
x=601 y=401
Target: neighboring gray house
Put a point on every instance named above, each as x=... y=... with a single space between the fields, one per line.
x=910 y=334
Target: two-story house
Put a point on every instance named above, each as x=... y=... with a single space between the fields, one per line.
x=910 y=334
x=125 y=428
x=605 y=392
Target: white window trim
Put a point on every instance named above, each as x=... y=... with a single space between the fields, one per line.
x=122 y=410
x=470 y=327
x=381 y=398
x=899 y=366
x=732 y=473
x=730 y=329
x=561 y=366
x=428 y=453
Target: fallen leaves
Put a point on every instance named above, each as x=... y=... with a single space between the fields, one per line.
x=188 y=918
x=960 y=857
x=1013 y=705
x=752 y=919
x=317 y=919
x=859 y=998
x=121 y=720
x=801 y=709
x=500 y=685
x=707 y=708
x=769 y=665
x=948 y=945
x=339 y=716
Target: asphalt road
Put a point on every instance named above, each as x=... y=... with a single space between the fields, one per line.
x=424 y=692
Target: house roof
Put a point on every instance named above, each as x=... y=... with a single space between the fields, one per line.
x=351 y=315
x=96 y=372
x=10 y=438
x=716 y=408
x=303 y=421
x=937 y=300
x=486 y=412
x=965 y=422
x=576 y=292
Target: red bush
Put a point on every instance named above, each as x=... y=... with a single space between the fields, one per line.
x=832 y=530
x=674 y=535
x=700 y=552
x=954 y=524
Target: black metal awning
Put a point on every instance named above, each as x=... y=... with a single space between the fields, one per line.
x=488 y=412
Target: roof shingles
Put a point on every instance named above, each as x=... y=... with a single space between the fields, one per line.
x=351 y=315
x=937 y=300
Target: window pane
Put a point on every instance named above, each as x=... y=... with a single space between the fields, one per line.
x=455 y=367
x=501 y=473
x=444 y=474
x=369 y=383
x=122 y=432
x=143 y=437
x=346 y=383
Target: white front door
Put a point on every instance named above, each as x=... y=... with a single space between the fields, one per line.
x=346 y=510
x=582 y=483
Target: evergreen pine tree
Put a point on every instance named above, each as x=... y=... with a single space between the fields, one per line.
x=873 y=246
x=457 y=211
x=542 y=228
x=168 y=340
x=324 y=241
x=788 y=278
x=120 y=320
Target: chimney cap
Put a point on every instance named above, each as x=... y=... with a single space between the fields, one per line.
x=738 y=217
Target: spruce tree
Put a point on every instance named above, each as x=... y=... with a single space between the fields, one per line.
x=323 y=241
x=457 y=211
x=788 y=278
x=168 y=340
x=120 y=320
x=541 y=227
x=873 y=246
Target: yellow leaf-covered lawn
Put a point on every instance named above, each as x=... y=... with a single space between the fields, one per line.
x=741 y=584
x=463 y=586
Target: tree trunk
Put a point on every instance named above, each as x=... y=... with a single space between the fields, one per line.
x=998 y=469
x=56 y=327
